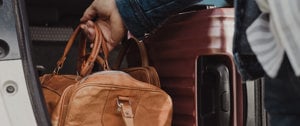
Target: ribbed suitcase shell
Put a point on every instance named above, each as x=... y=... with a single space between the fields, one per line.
x=174 y=49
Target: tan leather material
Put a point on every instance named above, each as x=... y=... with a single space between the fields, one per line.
x=70 y=42
x=54 y=84
x=144 y=72
x=124 y=106
x=108 y=98
x=94 y=102
x=126 y=45
x=86 y=66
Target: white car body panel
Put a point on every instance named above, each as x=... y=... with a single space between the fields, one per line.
x=15 y=107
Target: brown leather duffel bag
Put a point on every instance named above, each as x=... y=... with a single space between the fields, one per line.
x=54 y=84
x=113 y=98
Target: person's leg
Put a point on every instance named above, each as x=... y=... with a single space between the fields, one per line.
x=282 y=97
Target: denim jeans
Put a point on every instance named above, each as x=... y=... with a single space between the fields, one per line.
x=282 y=97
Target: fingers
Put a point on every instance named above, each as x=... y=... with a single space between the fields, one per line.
x=107 y=31
x=108 y=34
x=88 y=29
x=110 y=46
x=107 y=18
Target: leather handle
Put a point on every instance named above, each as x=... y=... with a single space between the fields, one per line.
x=102 y=62
x=84 y=56
x=70 y=42
x=125 y=48
x=86 y=65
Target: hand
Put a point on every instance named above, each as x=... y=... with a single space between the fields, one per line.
x=107 y=18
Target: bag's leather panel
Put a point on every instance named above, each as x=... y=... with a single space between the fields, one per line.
x=93 y=102
x=54 y=84
x=53 y=87
x=143 y=72
x=146 y=74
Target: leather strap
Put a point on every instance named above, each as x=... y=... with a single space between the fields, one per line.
x=103 y=63
x=105 y=52
x=88 y=64
x=83 y=56
x=125 y=48
x=61 y=61
x=124 y=106
x=85 y=66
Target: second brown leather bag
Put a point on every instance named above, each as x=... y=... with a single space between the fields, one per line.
x=144 y=72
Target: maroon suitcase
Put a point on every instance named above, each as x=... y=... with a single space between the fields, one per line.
x=192 y=54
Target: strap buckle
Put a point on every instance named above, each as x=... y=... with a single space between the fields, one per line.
x=124 y=106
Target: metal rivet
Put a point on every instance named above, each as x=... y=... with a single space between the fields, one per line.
x=10 y=89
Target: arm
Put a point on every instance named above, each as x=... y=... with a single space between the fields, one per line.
x=142 y=16
x=138 y=16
